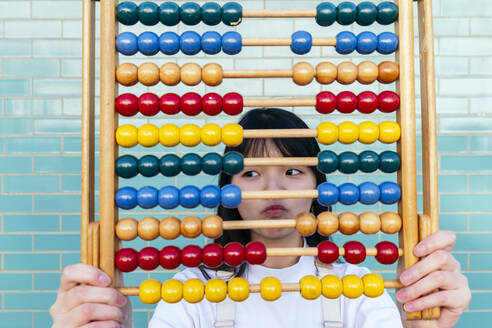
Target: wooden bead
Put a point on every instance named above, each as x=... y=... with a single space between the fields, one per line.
x=305 y=224
x=369 y=223
x=148 y=228
x=191 y=227
x=212 y=226
x=347 y=73
x=126 y=229
x=327 y=223
x=169 y=228
x=390 y=222
x=349 y=223
x=127 y=74
x=191 y=74
x=212 y=74
x=326 y=72
x=388 y=72
x=148 y=74
x=303 y=73
x=170 y=74
x=367 y=72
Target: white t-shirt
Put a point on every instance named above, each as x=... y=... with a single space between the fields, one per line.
x=290 y=310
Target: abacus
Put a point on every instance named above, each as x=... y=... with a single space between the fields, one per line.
x=100 y=239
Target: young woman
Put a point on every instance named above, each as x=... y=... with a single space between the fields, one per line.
x=95 y=305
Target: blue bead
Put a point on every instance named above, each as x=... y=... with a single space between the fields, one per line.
x=387 y=43
x=346 y=42
x=327 y=194
x=369 y=193
x=147 y=197
x=390 y=192
x=190 y=43
x=189 y=196
x=169 y=43
x=349 y=193
x=126 y=43
x=211 y=43
x=210 y=196
x=301 y=42
x=230 y=196
x=232 y=43
x=126 y=198
x=367 y=42
x=169 y=197
x=148 y=43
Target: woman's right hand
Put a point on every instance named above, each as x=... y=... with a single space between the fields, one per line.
x=85 y=300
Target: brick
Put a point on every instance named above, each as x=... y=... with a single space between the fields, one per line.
x=481 y=183
x=56 y=87
x=33 y=145
x=481 y=26
x=57 y=48
x=57 y=203
x=22 y=9
x=481 y=262
x=57 y=126
x=15 y=203
x=466 y=163
x=31 y=183
x=470 y=242
x=465 y=86
x=31 y=222
x=31 y=67
x=32 y=29
x=15 y=164
x=21 y=319
x=16 y=126
x=31 y=262
x=465 y=124
x=57 y=9
x=28 y=301
x=480 y=301
x=480 y=222
x=23 y=281
x=15 y=48
x=455 y=222
x=452 y=144
x=474 y=8
x=57 y=164
x=465 y=203
x=481 y=143
x=15 y=242
x=33 y=106
x=15 y=87
x=445 y=26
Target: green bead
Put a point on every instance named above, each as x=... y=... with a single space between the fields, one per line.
x=346 y=13
x=148 y=13
x=369 y=161
x=169 y=165
x=232 y=13
x=126 y=13
x=211 y=13
x=348 y=162
x=169 y=13
x=387 y=13
x=233 y=163
x=189 y=13
x=326 y=14
x=148 y=166
x=327 y=162
x=191 y=164
x=390 y=161
x=126 y=166
x=212 y=163
x=367 y=12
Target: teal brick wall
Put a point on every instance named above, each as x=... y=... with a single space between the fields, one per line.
x=40 y=90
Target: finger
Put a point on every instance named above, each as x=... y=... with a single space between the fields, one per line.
x=89 y=294
x=103 y=324
x=87 y=312
x=453 y=300
x=74 y=275
x=438 y=260
x=442 y=239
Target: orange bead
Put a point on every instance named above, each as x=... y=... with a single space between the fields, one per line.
x=390 y=222
x=303 y=73
x=170 y=228
x=191 y=227
x=170 y=74
x=212 y=74
x=369 y=223
x=347 y=73
x=349 y=223
x=191 y=74
x=367 y=72
x=148 y=74
x=126 y=229
x=212 y=226
x=327 y=223
x=127 y=74
x=388 y=72
x=148 y=228
x=306 y=224
x=326 y=73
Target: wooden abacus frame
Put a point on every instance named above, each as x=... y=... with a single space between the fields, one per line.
x=98 y=242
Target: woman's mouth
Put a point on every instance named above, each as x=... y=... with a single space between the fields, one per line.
x=275 y=210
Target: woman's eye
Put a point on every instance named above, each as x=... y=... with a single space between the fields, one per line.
x=250 y=174
x=293 y=172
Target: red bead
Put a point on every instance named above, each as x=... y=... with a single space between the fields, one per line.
x=368 y=102
x=191 y=256
x=213 y=255
x=148 y=104
x=255 y=253
x=212 y=104
x=355 y=252
x=126 y=259
x=148 y=258
x=234 y=254
x=346 y=102
x=126 y=104
x=191 y=103
x=328 y=252
x=387 y=252
x=389 y=101
x=326 y=102
x=170 y=257
x=233 y=103
x=169 y=104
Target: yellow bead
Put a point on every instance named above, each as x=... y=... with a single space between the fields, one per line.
x=368 y=132
x=148 y=135
x=310 y=287
x=127 y=135
x=232 y=134
x=352 y=286
x=172 y=291
x=348 y=132
x=270 y=289
x=373 y=285
x=331 y=286
x=150 y=291
x=389 y=132
x=327 y=133
x=189 y=135
x=238 y=289
x=169 y=135
x=193 y=290
x=216 y=290
x=211 y=134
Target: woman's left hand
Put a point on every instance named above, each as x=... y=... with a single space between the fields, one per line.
x=438 y=270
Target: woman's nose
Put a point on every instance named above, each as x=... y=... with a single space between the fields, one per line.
x=274 y=182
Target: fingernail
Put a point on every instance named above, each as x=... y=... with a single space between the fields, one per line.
x=121 y=300
x=409 y=307
x=401 y=295
x=419 y=250
x=104 y=279
x=404 y=278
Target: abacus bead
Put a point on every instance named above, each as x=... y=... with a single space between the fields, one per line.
x=193 y=290
x=170 y=165
x=191 y=164
x=387 y=252
x=270 y=288
x=355 y=252
x=191 y=256
x=211 y=42
x=326 y=14
x=238 y=289
x=387 y=13
x=234 y=254
x=367 y=12
x=347 y=73
x=148 y=135
x=306 y=224
x=126 y=43
x=169 y=228
x=369 y=223
x=126 y=198
x=191 y=103
x=127 y=229
x=326 y=72
x=327 y=194
x=210 y=196
x=216 y=290
x=191 y=74
x=212 y=104
x=390 y=192
x=148 y=74
x=232 y=134
x=331 y=286
x=232 y=43
x=301 y=43
x=346 y=102
x=148 y=228
x=232 y=13
x=348 y=162
x=349 y=223
x=149 y=292
x=388 y=72
x=367 y=42
x=348 y=132
x=255 y=252
x=211 y=134
x=189 y=135
x=388 y=101
x=387 y=43
x=213 y=255
x=189 y=13
x=368 y=101
x=127 y=74
x=327 y=252
x=310 y=287
x=169 y=103
x=169 y=13
x=126 y=166
x=148 y=166
x=327 y=223
x=230 y=196
x=126 y=13
x=327 y=162
x=368 y=132
x=212 y=163
x=212 y=226
x=211 y=13
x=369 y=193
x=189 y=196
x=233 y=103
x=327 y=133
x=352 y=286
x=127 y=135
x=172 y=291
x=169 y=43
x=233 y=162
x=191 y=227
x=390 y=161
x=389 y=132
x=169 y=197
x=369 y=161
x=373 y=285
x=390 y=222
x=346 y=13
x=349 y=193
x=148 y=43
x=367 y=72
x=212 y=74
x=126 y=259
x=126 y=104
x=147 y=197
x=148 y=13
x=326 y=102
x=303 y=73
x=189 y=43
x=148 y=104
x=170 y=74
x=148 y=258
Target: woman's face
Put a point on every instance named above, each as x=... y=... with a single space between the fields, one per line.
x=274 y=178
